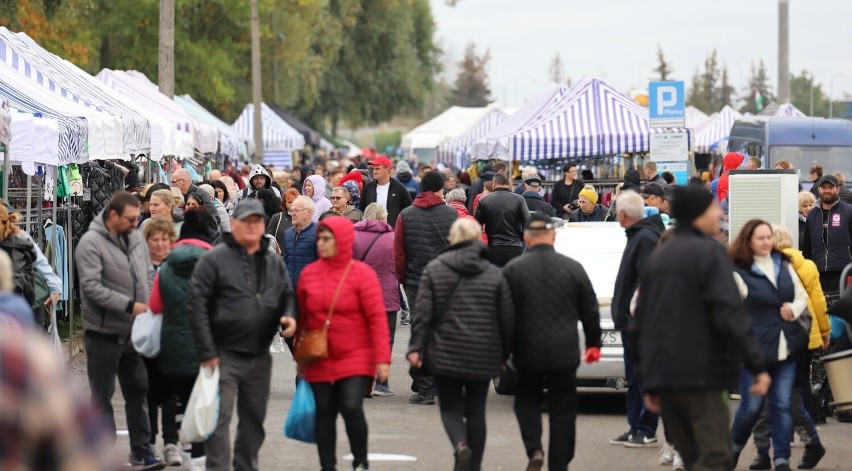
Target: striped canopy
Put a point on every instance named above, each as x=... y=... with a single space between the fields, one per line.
x=715 y=130
x=63 y=79
x=592 y=119
x=495 y=144
x=458 y=150
x=278 y=135
x=785 y=110
x=231 y=143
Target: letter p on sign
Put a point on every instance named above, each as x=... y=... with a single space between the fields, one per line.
x=666 y=98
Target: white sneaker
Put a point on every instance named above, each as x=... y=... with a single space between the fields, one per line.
x=172 y=455
x=198 y=464
x=678 y=462
x=667 y=454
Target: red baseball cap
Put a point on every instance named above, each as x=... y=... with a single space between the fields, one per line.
x=381 y=160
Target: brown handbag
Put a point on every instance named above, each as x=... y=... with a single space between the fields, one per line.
x=313 y=344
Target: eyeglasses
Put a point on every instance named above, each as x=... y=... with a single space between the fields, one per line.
x=294 y=211
x=178 y=180
x=325 y=238
x=335 y=198
x=130 y=220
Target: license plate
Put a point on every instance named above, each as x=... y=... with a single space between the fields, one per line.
x=610 y=338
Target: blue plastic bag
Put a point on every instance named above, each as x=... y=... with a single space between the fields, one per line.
x=838 y=327
x=302 y=418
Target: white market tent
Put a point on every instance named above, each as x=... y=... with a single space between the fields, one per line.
x=715 y=130
x=695 y=117
x=592 y=119
x=445 y=126
x=231 y=143
x=5 y=122
x=56 y=76
x=496 y=144
x=280 y=139
x=783 y=110
x=457 y=150
x=185 y=133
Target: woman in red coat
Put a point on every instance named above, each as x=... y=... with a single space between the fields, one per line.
x=358 y=338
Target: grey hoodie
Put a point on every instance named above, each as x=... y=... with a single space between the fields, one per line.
x=249 y=191
x=114 y=273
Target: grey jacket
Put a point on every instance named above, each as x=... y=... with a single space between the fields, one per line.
x=114 y=273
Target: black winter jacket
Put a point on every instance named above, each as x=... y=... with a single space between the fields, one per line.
x=642 y=239
x=691 y=326
x=838 y=253
x=398 y=198
x=564 y=194
x=551 y=292
x=421 y=233
x=504 y=215
x=23 y=254
x=464 y=325
x=236 y=302
x=535 y=202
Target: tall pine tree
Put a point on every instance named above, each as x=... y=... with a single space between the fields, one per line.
x=758 y=91
x=471 y=87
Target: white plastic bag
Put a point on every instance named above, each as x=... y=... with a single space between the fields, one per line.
x=145 y=334
x=202 y=409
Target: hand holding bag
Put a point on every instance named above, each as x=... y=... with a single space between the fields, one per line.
x=302 y=417
x=202 y=409
x=313 y=344
x=145 y=333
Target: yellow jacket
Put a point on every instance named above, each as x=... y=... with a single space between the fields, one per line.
x=808 y=273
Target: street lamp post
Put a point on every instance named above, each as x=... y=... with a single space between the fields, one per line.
x=831 y=95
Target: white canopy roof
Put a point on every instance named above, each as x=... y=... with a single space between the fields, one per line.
x=695 y=117
x=230 y=142
x=5 y=120
x=715 y=130
x=447 y=125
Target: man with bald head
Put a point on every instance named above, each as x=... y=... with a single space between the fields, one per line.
x=215 y=175
x=182 y=180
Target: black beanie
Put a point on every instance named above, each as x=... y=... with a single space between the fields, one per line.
x=433 y=181
x=197 y=224
x=689 y=202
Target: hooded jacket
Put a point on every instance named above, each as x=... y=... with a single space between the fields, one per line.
x=321 y=203
x=249 y=191
x=406 y=177
x=22 y=252
x=464 y=327
x=421 y=233
x=380 y=257
x=809 y=275
x=642 y=239
x=732 y=161
x=169 y=298
x=237 y=299
x=358 y=335
x=114 y=272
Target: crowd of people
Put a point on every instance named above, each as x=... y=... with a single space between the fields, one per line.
x=471 y=265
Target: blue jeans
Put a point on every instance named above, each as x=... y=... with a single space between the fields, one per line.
x=640 y=419
x=780 y=410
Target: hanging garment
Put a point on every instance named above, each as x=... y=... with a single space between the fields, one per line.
x=59 y=258
x=63 y=187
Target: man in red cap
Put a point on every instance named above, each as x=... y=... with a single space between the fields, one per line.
x=388 y=192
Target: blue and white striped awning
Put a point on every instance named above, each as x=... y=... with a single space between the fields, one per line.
x=62 y=78
x=716 y=129
x=592 y=119
x=278 y=135
x=457 y=151
x=496 y=144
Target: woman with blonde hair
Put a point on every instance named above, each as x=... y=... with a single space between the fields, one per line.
x=22 y=252
x=462 y=334
x=807 y=201
x=163 y=206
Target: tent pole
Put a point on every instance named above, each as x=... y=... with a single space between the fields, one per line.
x=39 y=206
x=29 y=202
x=69 y=223
x=7 y=168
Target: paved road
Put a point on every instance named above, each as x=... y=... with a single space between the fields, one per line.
x=398 y=428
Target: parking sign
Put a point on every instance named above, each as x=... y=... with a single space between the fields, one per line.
x=667 y=104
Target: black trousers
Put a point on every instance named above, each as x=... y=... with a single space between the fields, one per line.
x=345 y=397
x=160 y=395
x=421 y=381
x=699 y=423
x=392 y=326
x=462 y=404
x=562 y=409
x=501 y=255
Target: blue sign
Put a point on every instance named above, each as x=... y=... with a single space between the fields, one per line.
x=667 y=104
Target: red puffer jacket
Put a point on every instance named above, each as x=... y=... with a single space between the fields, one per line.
x=358 y=338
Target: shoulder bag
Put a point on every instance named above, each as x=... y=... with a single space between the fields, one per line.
x=313 y=344
x=369 y=247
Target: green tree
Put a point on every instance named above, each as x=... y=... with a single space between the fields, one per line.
x=663 y=69
x=704 y=91
x=725 y=93
x=801 y=87
x=758 y=82
x=556 y=72
x=471 y=86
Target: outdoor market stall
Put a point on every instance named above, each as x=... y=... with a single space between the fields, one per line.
x=713 y=134
x=457 y=151
x=279 y=138
x=695 y=117
x=425 y=139
x=231 y=144
x=783 y=110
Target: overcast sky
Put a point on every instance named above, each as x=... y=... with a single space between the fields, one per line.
x=616 y=40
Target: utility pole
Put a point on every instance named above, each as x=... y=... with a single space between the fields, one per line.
x=783 y=51
x=166 y=65
x=256 y=92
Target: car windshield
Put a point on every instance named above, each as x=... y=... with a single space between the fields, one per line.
x=832 y=159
